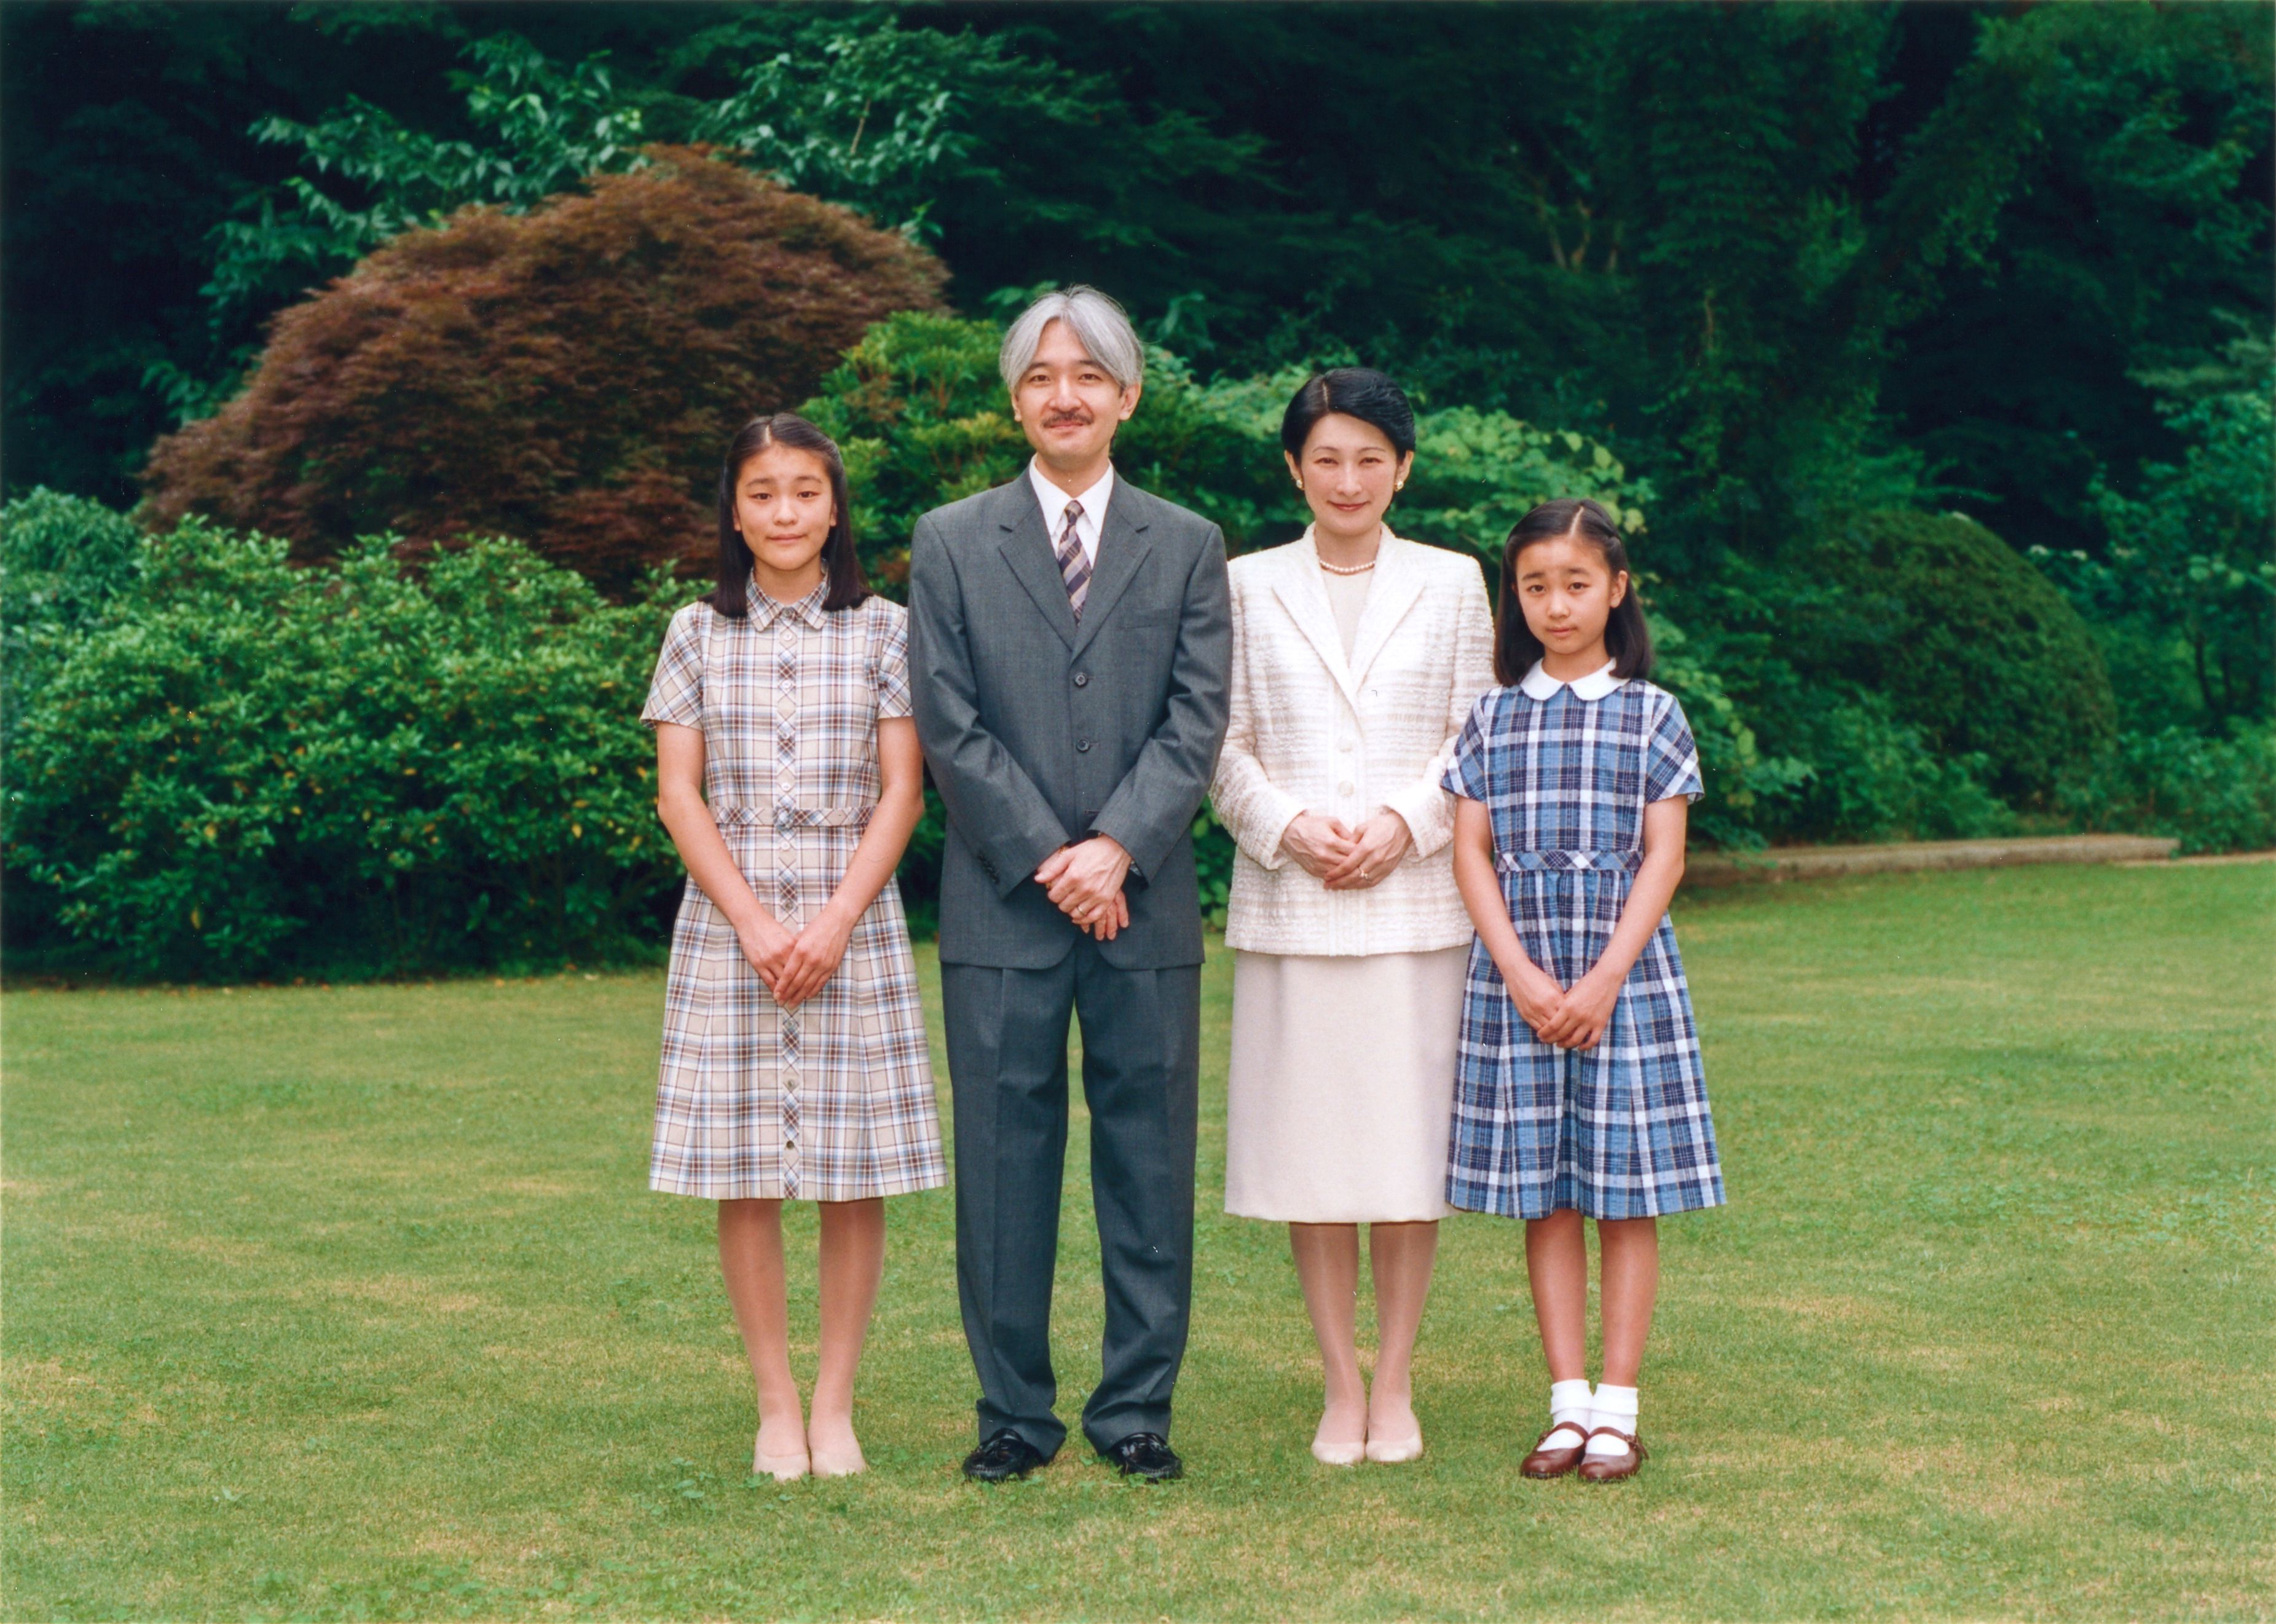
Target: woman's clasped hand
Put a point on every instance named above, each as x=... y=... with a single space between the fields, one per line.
x=1346 y=859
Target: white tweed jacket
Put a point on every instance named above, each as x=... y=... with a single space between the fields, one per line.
x=1311 y=730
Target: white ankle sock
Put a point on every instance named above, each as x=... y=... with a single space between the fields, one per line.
x=1613 y=1406
x=1569 y=1408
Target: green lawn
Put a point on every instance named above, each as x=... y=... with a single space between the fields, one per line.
x=351 y=1303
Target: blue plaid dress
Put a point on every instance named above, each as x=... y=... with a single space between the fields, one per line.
x=1621 y=1130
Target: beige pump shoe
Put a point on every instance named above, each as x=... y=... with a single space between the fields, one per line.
x=835 y=1463
x=1395 y=1452
x=782 y=1468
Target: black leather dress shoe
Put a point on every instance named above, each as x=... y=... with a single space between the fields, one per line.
x=1145 y=1454
x=1004 y=1454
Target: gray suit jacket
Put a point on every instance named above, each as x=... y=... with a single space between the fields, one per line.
x=1040 y=731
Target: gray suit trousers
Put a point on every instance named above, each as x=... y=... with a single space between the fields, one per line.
x=1007 y=1062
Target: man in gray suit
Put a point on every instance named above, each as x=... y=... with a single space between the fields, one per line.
x=1070 y=646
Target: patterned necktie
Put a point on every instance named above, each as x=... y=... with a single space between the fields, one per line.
x=1074 y=568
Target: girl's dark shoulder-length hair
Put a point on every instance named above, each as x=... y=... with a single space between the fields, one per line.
x=841 y=564
x=1627 y=638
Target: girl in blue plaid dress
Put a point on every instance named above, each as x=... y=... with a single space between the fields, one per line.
x=1578 y=1091
x=794 y=1060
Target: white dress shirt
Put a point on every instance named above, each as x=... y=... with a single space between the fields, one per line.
x=1055 y=500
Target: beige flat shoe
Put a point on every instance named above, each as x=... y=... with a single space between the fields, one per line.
x=782 y=1468
x=1395 y=1452
x=1338 y=1454
x=832 y=1463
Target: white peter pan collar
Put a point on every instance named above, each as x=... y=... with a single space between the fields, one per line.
x=1540 y=685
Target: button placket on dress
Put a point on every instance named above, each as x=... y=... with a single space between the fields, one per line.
x=787 y=876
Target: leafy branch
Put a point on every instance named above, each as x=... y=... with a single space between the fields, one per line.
x=543 y=130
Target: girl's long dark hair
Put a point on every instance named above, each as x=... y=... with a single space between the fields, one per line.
x=841 y=564
x=1627 y=639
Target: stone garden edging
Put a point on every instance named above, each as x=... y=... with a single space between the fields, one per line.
x=1803 y=863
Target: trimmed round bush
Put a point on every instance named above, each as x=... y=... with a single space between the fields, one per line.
x=567 y=377
x=1969 y=642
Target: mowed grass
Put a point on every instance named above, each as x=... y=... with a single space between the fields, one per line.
x=351 y=1303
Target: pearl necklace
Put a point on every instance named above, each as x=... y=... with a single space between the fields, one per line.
x=1348 y=569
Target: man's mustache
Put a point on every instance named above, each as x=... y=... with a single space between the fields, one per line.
x=1058 y=418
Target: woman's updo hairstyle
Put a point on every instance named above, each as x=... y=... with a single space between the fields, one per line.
x=841 y=564
x=1354 y=391
x=1627 y=639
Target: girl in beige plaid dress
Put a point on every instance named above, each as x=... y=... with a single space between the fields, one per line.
x=795 y=1066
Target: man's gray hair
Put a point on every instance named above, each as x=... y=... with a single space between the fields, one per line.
x=1096 y=322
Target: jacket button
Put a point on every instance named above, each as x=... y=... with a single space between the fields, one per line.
x=1083 y=746
x=1083 y=679
x=1344 y=788
x=1343 y=744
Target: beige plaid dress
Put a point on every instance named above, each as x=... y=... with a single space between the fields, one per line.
x=832 y=1101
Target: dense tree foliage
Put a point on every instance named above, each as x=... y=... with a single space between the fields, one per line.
x=124 y=145
x=566 y=377
x=1777 y=257
x=2134 y=241
x=542 y=130
x=2185 y=595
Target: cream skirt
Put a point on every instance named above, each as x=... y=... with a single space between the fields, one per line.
x=1341 y=1086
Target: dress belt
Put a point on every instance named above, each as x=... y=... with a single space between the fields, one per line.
x=1509 y=862
x=792 y=817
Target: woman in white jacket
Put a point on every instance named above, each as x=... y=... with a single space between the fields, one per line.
x=1357 y=657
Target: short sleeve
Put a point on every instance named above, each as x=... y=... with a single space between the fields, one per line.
x=677 y=693
x=1671 y=764
x=1466 y=771
x=894 y=663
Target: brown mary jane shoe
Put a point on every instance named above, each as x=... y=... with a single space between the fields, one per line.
x=1611 y=1468
x=1554 y=1462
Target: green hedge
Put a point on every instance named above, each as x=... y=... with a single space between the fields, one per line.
x=62 y=560
x=226 y=765
x=247 y=768
x=2216 y=793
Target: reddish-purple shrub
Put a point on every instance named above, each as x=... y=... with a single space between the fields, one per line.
x=567 y=376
